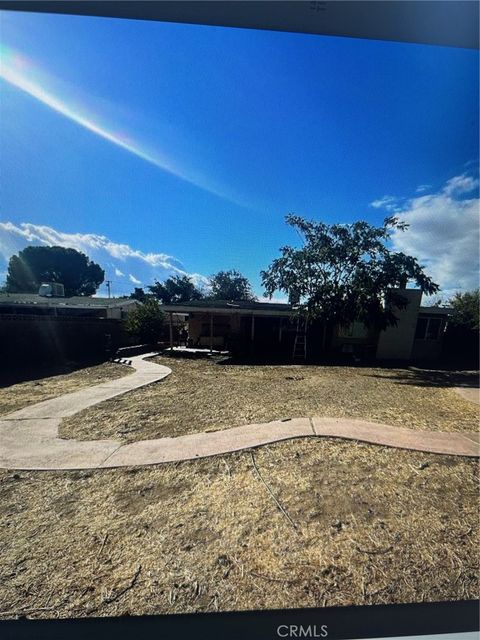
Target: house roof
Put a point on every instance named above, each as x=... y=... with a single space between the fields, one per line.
x=221 y=306
x=261 y=308
x=436 y=311
x=77 y=302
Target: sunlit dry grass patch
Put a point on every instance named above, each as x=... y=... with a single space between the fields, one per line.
x=358 y=524
x=17 y=396
x=200 y=395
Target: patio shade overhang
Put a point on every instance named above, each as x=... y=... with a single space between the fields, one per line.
x=220 y=307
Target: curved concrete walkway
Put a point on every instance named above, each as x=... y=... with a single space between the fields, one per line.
x=29 y=437
x=472 y=394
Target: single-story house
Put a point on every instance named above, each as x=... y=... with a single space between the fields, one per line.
x=261 y=328
x=35 y=327
x=33 y=304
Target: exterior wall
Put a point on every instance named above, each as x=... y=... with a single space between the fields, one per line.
x=356 y=339
x=114 y=314
x=427 y=349
x=356 y=333
x=52 y=311
x=118 y=313
x=217 y=342
x=199 y=328
x=73 y=311
x=395 y=343
x=36 y=339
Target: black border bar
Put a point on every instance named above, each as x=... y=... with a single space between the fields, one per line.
x=453 y=23
x=343 y=623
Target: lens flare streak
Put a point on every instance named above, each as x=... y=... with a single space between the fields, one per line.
x=19 y=72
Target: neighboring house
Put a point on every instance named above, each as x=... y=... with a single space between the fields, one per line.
x=38 y=327
x=265 y=328
x=33 y=304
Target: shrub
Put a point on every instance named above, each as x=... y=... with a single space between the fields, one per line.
x=146 y=322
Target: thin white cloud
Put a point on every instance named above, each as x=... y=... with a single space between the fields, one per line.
x=389 y=203
x=133 y=279
x=444 y=234
x=460 y=184
x=422 y=188
x=112 y=256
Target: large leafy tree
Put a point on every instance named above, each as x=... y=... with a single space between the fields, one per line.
x=33 y=265
x=461 y=345
x=175 y=290
x=146 y=321
x=345 y=272
x=230 y=285
x=139 y=294
x=466 y=310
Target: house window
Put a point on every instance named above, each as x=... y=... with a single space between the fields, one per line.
x=428 y=329
x=353 y=330
x=346 y=331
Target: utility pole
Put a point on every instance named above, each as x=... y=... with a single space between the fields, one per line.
x=108 y=284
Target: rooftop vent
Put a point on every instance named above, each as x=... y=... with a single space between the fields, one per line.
x=51 y=290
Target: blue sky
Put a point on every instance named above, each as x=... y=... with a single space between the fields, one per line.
x=193 y=142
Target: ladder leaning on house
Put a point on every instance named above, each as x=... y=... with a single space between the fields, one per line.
x=300 y=343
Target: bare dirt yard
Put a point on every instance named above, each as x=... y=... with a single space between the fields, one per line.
x=365 y=525
x=350 y=523
x=201 y=395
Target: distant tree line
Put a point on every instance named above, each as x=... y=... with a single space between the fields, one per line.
x=224 y=285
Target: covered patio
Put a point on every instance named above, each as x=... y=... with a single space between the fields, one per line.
x=247 y=326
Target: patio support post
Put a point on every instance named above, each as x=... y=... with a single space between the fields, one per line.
x=211 y=332
x=171 y=330
x=280 y=330
x=252 y=333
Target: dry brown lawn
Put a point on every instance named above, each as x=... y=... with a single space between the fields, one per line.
x=200 y=395
x=370 y=525
x=17 y=396
x=358 y=524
